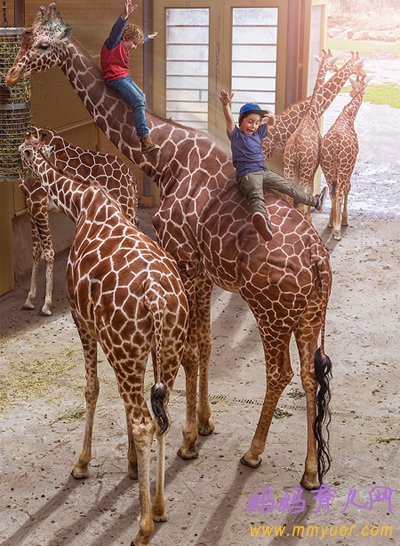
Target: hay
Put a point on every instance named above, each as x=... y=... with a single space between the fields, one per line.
x=21 y=92
x=14 y=110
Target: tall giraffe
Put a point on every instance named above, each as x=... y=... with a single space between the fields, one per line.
x=109 y=170
x=339 y=152
x=287 y=121
x=204 y=222
x=125 y=293
x=301 y=155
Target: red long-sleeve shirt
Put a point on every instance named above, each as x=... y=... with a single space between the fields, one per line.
x=114 y=58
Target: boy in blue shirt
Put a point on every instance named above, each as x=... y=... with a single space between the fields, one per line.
x=114 y=61
x=251 y=171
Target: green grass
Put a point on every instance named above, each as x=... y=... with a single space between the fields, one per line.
x=365 y=47
x=383 y=93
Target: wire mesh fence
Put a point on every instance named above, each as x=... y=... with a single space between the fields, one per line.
x=14 y=107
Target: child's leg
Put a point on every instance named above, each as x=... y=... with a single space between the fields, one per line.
x=136 y=98
x=288 y=187
x=251 y=186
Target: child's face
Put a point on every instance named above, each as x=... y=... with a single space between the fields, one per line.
x=129 y=44
x=250 y=124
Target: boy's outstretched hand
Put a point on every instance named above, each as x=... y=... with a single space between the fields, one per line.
x=225 y=97
x=152 y=36
x=268 y=118
x=129 y=7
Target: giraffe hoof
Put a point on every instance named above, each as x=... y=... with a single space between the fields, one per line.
x=206 y=428
x=46 y=313
x=255 y=463
x=79 y=473
x=160 y=517
x=309 y=483
x=133 y=472
x=187 y=453
x=28 y=307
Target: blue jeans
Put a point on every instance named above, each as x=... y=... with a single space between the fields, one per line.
x=136 y=98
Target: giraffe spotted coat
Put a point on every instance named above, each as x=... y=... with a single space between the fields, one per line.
x=125 y=293
x=204 y=223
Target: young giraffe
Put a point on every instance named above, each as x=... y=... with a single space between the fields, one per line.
x=339 y=152
x=125 y=293
x=301 y=155
x=287 y=122
x=204 y=222
x=109 y=170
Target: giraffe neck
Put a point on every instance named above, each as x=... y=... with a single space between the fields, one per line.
x=333 y=86
x=353 y=107
x=66 y=193
x=315 y=108
x=111 y=113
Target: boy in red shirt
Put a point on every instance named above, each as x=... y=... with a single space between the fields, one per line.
x=114 y=61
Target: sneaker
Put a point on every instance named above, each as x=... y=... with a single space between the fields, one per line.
x=147 y=145
x=262 y=225
x=320 y=197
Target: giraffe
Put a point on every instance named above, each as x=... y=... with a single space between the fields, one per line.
x=339 y=152
x=203 y=222
x=287 y=121
x=125 y=293
x=301 y=155
x=107 y=169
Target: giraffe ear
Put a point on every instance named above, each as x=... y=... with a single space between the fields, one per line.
x=67 y=33
x=47 y=150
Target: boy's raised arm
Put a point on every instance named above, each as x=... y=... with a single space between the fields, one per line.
x=226 y=99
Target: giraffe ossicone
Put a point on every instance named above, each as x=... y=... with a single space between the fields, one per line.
x=126 y=294
x=204 y=223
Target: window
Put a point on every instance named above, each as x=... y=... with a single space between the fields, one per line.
x=254 y=56
x=187 y=52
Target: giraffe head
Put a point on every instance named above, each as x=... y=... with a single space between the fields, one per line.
x=327 y=62
x=32 y=157
x=43 y=45
x=357 y=65
x=358 y=86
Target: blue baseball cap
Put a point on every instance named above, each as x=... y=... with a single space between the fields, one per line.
x=250 y=108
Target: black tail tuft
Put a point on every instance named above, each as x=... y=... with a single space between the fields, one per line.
x=158 y=393
x=323 y=373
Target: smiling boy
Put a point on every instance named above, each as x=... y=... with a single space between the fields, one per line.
x=252 y=174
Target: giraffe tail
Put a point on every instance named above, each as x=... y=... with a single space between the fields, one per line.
x=323 y=374
x=155 y=302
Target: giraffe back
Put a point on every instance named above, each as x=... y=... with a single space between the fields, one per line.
x=85 y=166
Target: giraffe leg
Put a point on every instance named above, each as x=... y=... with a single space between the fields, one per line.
x=170 y=365
x=306 y=333
x=345 y=218
x=190 y=364
x=48 y=256
x=143 y=432
x=278 y=375
x=159 y=510
x=132 y=456
x=188 y=449
x=204 y=422
x=37 y=206
x=36 y=255
x=89 y=345
x=337 y=216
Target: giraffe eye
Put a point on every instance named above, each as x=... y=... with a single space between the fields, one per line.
x=43 y=46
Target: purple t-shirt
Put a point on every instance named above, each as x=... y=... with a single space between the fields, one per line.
x=247 y=153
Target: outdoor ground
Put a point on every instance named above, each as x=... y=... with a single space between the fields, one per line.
x=42 y=417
